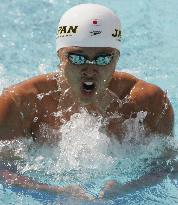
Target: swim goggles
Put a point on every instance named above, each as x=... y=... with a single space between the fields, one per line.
x=79 y=59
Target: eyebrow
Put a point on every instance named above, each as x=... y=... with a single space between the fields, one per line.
x=104 y=53
x=75 y=51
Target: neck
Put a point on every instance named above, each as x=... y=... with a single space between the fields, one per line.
x=103 y=102
x=100 y=106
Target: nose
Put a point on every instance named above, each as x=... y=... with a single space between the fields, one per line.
x=89 y=71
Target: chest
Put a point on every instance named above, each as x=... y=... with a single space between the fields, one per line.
x=53 y=114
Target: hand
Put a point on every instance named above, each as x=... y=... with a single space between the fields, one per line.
x=111 y=189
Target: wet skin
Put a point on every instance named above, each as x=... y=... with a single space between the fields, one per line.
x=52 y=98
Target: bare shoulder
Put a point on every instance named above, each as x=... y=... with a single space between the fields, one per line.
x=146 y=97
x=20 y=103
x=152 y=99
x=35 y=85
x=122 y=83
x=136 y=89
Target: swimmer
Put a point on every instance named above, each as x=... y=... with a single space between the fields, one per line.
x=88 y=46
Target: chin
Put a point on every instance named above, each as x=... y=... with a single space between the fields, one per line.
x=88 y=98
x=86 y=101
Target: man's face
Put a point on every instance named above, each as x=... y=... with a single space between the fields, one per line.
x=88 y=81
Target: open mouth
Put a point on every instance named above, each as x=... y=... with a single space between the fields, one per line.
x=88 y=88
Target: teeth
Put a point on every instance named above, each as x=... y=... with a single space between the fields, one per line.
x=88 y=83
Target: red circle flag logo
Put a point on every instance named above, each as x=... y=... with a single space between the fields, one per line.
x=96 y=22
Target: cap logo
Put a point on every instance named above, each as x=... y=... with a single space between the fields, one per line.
x=64 y=31
x=117 y=34
x=94 y=33
x=94 y=29
x=96 y=22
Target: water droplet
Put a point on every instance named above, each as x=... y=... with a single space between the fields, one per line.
x=35 y=119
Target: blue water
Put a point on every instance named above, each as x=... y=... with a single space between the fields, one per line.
x=149 y=50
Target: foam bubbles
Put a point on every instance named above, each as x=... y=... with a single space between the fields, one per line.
x=85 y=154
x=87 y=146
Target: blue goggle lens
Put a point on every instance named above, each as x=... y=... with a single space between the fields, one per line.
x=76 y=59
x=104 y=60
x=99 y=60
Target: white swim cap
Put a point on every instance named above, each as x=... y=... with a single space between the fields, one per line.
x=89 y=25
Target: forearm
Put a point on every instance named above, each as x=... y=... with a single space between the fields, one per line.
x=144 y=181
x=113 y=189
x=13 y=179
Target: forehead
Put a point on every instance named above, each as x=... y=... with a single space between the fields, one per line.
x=88 y=50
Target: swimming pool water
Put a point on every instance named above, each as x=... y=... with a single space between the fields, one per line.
x=149 y=50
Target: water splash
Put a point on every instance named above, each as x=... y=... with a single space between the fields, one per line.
x=85 y=154
x=42 y=68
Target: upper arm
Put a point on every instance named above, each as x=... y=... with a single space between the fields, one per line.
x=10 y=120
x=19 y=104
x=15 y=112
x=165 y=117
x=153 y=100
